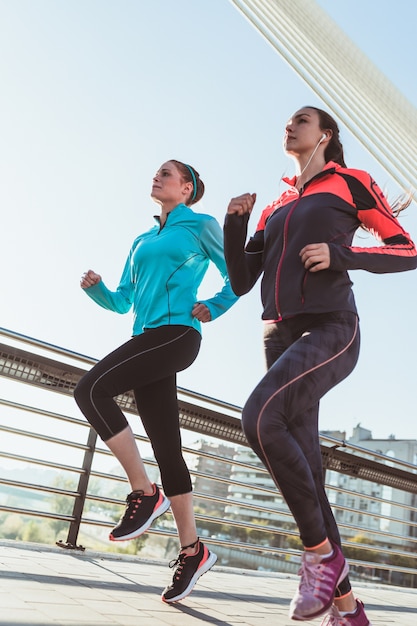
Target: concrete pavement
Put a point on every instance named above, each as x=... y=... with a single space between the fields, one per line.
x=42 y=585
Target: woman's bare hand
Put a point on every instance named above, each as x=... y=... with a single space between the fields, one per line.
x=315 y=257
x=242 y=204
x=89 y=279
x=201 y=312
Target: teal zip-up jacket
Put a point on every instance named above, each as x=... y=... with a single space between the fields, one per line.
x=164 y=270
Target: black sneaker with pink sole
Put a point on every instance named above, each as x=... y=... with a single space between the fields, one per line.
x=139 y=514
x=188 y=569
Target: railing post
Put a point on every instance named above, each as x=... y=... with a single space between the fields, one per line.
x=78 y=508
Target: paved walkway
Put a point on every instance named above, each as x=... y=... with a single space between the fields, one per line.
x=42 y=585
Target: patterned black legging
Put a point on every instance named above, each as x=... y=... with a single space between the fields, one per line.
x=306 y=355
x=146 y=364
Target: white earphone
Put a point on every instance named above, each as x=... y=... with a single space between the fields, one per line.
x=322 y=138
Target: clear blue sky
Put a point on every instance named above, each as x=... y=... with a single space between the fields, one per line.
x=96 y=94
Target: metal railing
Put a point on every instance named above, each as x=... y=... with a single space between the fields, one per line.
x=243 y=515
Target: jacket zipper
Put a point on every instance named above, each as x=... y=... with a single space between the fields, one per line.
x=284 y=245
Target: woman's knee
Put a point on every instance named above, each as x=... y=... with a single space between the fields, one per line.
x=250 y=418
x=87 y=387
x=82 y=390
x=264 y=420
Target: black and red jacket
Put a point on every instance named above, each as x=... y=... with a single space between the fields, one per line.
x=330 y=208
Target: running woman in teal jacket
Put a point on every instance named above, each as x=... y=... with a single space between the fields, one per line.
x=160 y=280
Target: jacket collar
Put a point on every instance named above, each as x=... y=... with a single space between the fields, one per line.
x=177 y=212
x=329 y=168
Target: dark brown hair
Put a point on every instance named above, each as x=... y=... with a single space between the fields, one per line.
x=184 y=170
x=334 y=150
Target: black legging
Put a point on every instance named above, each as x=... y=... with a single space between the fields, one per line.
x=307 y=355
x=146 y=364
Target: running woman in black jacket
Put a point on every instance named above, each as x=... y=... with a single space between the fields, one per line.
x=303 y=248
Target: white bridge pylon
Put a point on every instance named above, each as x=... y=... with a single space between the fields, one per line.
x=344 y=78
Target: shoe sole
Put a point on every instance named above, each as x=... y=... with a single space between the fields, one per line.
x=207 y=565
x=160 y=510
x=324 y=609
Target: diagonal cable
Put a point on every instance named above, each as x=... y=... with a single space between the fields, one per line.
x=344 y=78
